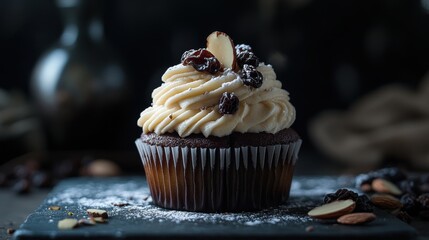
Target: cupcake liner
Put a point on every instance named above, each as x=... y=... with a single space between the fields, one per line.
x=219 y=179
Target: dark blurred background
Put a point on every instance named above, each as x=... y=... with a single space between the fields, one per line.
x=327 y=54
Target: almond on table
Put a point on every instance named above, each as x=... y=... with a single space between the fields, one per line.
x=333 y=210
x=356 y=218
x=97 y=213
x=386 y=201
x=383 y=186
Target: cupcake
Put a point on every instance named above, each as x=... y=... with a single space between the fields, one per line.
x=217 y=136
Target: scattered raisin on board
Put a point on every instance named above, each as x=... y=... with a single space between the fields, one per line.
x=415 y=191
x=340 y=194
x=410 y=204
x=423 y=201
x=363 y=204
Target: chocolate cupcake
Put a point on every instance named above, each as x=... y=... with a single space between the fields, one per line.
x=217 y=137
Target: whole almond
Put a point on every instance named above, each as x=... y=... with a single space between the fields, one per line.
x=386 y=201
x=333 y=210
x=383 y=186
x=356 y=218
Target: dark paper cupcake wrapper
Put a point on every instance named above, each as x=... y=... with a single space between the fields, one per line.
x=219 y=179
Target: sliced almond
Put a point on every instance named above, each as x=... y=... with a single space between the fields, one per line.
x=222 y=47
x=333 y=210
x=97 y=213
x=356 y=218
x=383 y=186
x=67 y=223
x=386 y=201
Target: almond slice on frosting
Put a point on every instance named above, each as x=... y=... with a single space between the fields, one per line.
x=222 y=47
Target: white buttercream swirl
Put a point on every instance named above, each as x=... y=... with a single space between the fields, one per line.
x=187 y=103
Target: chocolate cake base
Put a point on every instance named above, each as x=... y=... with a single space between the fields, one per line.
x=284 y=136
x=240 y=172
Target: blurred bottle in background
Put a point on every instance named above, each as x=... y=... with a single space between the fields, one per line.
x=79 y=86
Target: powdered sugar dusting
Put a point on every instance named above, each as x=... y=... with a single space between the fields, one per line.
x=102 y=194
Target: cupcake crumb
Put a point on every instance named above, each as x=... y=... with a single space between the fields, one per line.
x=309 y=228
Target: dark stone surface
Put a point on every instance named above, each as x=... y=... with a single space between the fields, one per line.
x=306 y=193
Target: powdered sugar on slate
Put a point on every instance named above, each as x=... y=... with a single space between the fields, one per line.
x=96 y=193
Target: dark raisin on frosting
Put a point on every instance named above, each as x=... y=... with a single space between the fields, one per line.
x=228 y=103
x=251 y=76
x=247 y=58
x=242 y=48
x=202 y=60
x=245 y=55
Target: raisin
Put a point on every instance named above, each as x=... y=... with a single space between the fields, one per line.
x=202 y=60
x=228 y=103
x=251 y=77
x=247 y=58
x=423 y=200
x=363 y=204
x=410 y=186
x=409 y=204
x=340 y=194
x=404 y=216
x=239 y=48
x=424 y=183
x=186 y=54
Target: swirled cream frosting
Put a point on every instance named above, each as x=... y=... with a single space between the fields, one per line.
x=188 y=103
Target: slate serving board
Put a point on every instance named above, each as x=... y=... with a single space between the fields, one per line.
x=140 y=219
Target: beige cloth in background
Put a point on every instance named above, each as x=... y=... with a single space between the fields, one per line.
x=391 y=122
